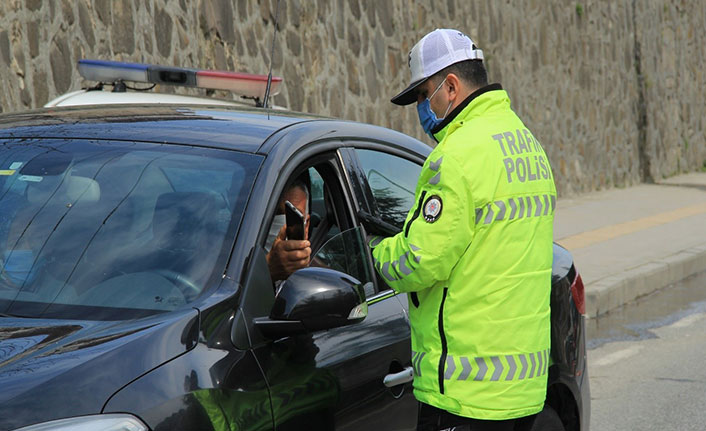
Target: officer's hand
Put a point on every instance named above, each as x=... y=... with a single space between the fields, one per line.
x=373 y=240
x=287 y=256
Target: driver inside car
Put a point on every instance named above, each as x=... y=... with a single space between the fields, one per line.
x=284 y=256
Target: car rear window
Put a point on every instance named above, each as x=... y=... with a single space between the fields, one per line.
x=113 y=230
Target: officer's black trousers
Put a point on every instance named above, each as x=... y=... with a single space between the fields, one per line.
x=434 y=419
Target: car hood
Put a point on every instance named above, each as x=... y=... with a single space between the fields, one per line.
x=52 y=369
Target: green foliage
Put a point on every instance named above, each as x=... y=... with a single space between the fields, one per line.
x=579 y=10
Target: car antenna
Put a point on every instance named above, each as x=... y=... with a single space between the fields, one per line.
x=266 y=100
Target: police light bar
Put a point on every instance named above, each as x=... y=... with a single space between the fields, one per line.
x=244 y=84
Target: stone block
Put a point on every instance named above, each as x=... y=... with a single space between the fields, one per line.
x=323 y=10
x=86 y=23
x=372 y=81
x=18 y=60
x=148 y=43
x=224 y=21
x=365 y=40
x=26 y=98
x=266 y=13
x=353 y=38
x=103 y=9
x=282 y=15
x=33 y=38
x=278 y=58
x=379 y=48
x=353 y=77
x=122 y=30
x=61 y=64
x=184 y=38
x=219 y=56
x=340 y=20
x=294 y=42
x=385 y=14
x=251 y=42
x=295 y=13
x=355 y=9
x=369 y=7
x=207 y=19
x=163 y=32
x=295 y=91
x=5 y=47
x=33 y=4
x=242 y=10
x=40 y=87
x=331 y=37
x=336 y=102
x=67 y=12
x=239 y=44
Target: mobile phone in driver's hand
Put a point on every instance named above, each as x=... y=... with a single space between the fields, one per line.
x=295 y=221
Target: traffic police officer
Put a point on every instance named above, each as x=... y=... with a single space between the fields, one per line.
x=475 y=253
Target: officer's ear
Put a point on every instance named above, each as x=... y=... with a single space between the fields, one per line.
x=453 y=87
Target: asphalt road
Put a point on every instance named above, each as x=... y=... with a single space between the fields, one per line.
x=647 y=362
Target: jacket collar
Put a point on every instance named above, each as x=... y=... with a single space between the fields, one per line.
x=441 y=130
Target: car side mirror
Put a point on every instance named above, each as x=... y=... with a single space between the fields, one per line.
x=313 y=299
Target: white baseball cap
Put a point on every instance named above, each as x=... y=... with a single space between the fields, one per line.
x=437 y=50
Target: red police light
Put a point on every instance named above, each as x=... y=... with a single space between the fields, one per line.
x=244 y=84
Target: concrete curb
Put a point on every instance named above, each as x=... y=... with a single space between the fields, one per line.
x=616 y=290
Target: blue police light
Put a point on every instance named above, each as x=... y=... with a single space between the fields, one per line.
x=111 y=71
x=244 y=84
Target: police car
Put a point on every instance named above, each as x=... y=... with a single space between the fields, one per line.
x=135 y=292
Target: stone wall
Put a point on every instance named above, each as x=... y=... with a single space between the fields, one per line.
x=614 y=90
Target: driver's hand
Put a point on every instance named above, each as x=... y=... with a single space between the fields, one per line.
x=287 y=256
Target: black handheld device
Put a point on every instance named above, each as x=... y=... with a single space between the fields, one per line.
x=295 y=221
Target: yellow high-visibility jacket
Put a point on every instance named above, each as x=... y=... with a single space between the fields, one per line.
x=475 y=256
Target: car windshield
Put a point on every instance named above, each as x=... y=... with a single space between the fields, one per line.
x=114 y=230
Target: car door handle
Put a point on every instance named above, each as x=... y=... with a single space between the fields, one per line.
x=395 y=379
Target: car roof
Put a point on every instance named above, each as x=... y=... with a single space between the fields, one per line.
x=101 y=97
x=212 y=126
x=227 y=127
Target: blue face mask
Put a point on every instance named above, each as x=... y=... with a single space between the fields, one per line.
x=427 y=117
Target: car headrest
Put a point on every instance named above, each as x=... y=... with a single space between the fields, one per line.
x=72 y=188
x=87 y=189
x=183 y=215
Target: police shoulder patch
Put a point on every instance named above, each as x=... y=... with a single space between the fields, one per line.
x=432 y=209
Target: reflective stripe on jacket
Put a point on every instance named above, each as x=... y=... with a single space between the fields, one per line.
x=475 y=255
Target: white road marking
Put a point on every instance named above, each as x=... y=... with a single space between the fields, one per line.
x=617 y=356
x=687 y=321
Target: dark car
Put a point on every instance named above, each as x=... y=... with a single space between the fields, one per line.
x=135 y=292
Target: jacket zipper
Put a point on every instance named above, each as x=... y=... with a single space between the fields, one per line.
x=444 y=347
x=415 y=299
x=413 y=296
x=416 y=213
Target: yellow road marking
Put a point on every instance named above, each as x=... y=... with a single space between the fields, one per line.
x=609 y=232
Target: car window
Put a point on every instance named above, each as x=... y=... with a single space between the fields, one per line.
x=324 y=225
x=114 y=230
x=347 y=253
x=393 y=181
